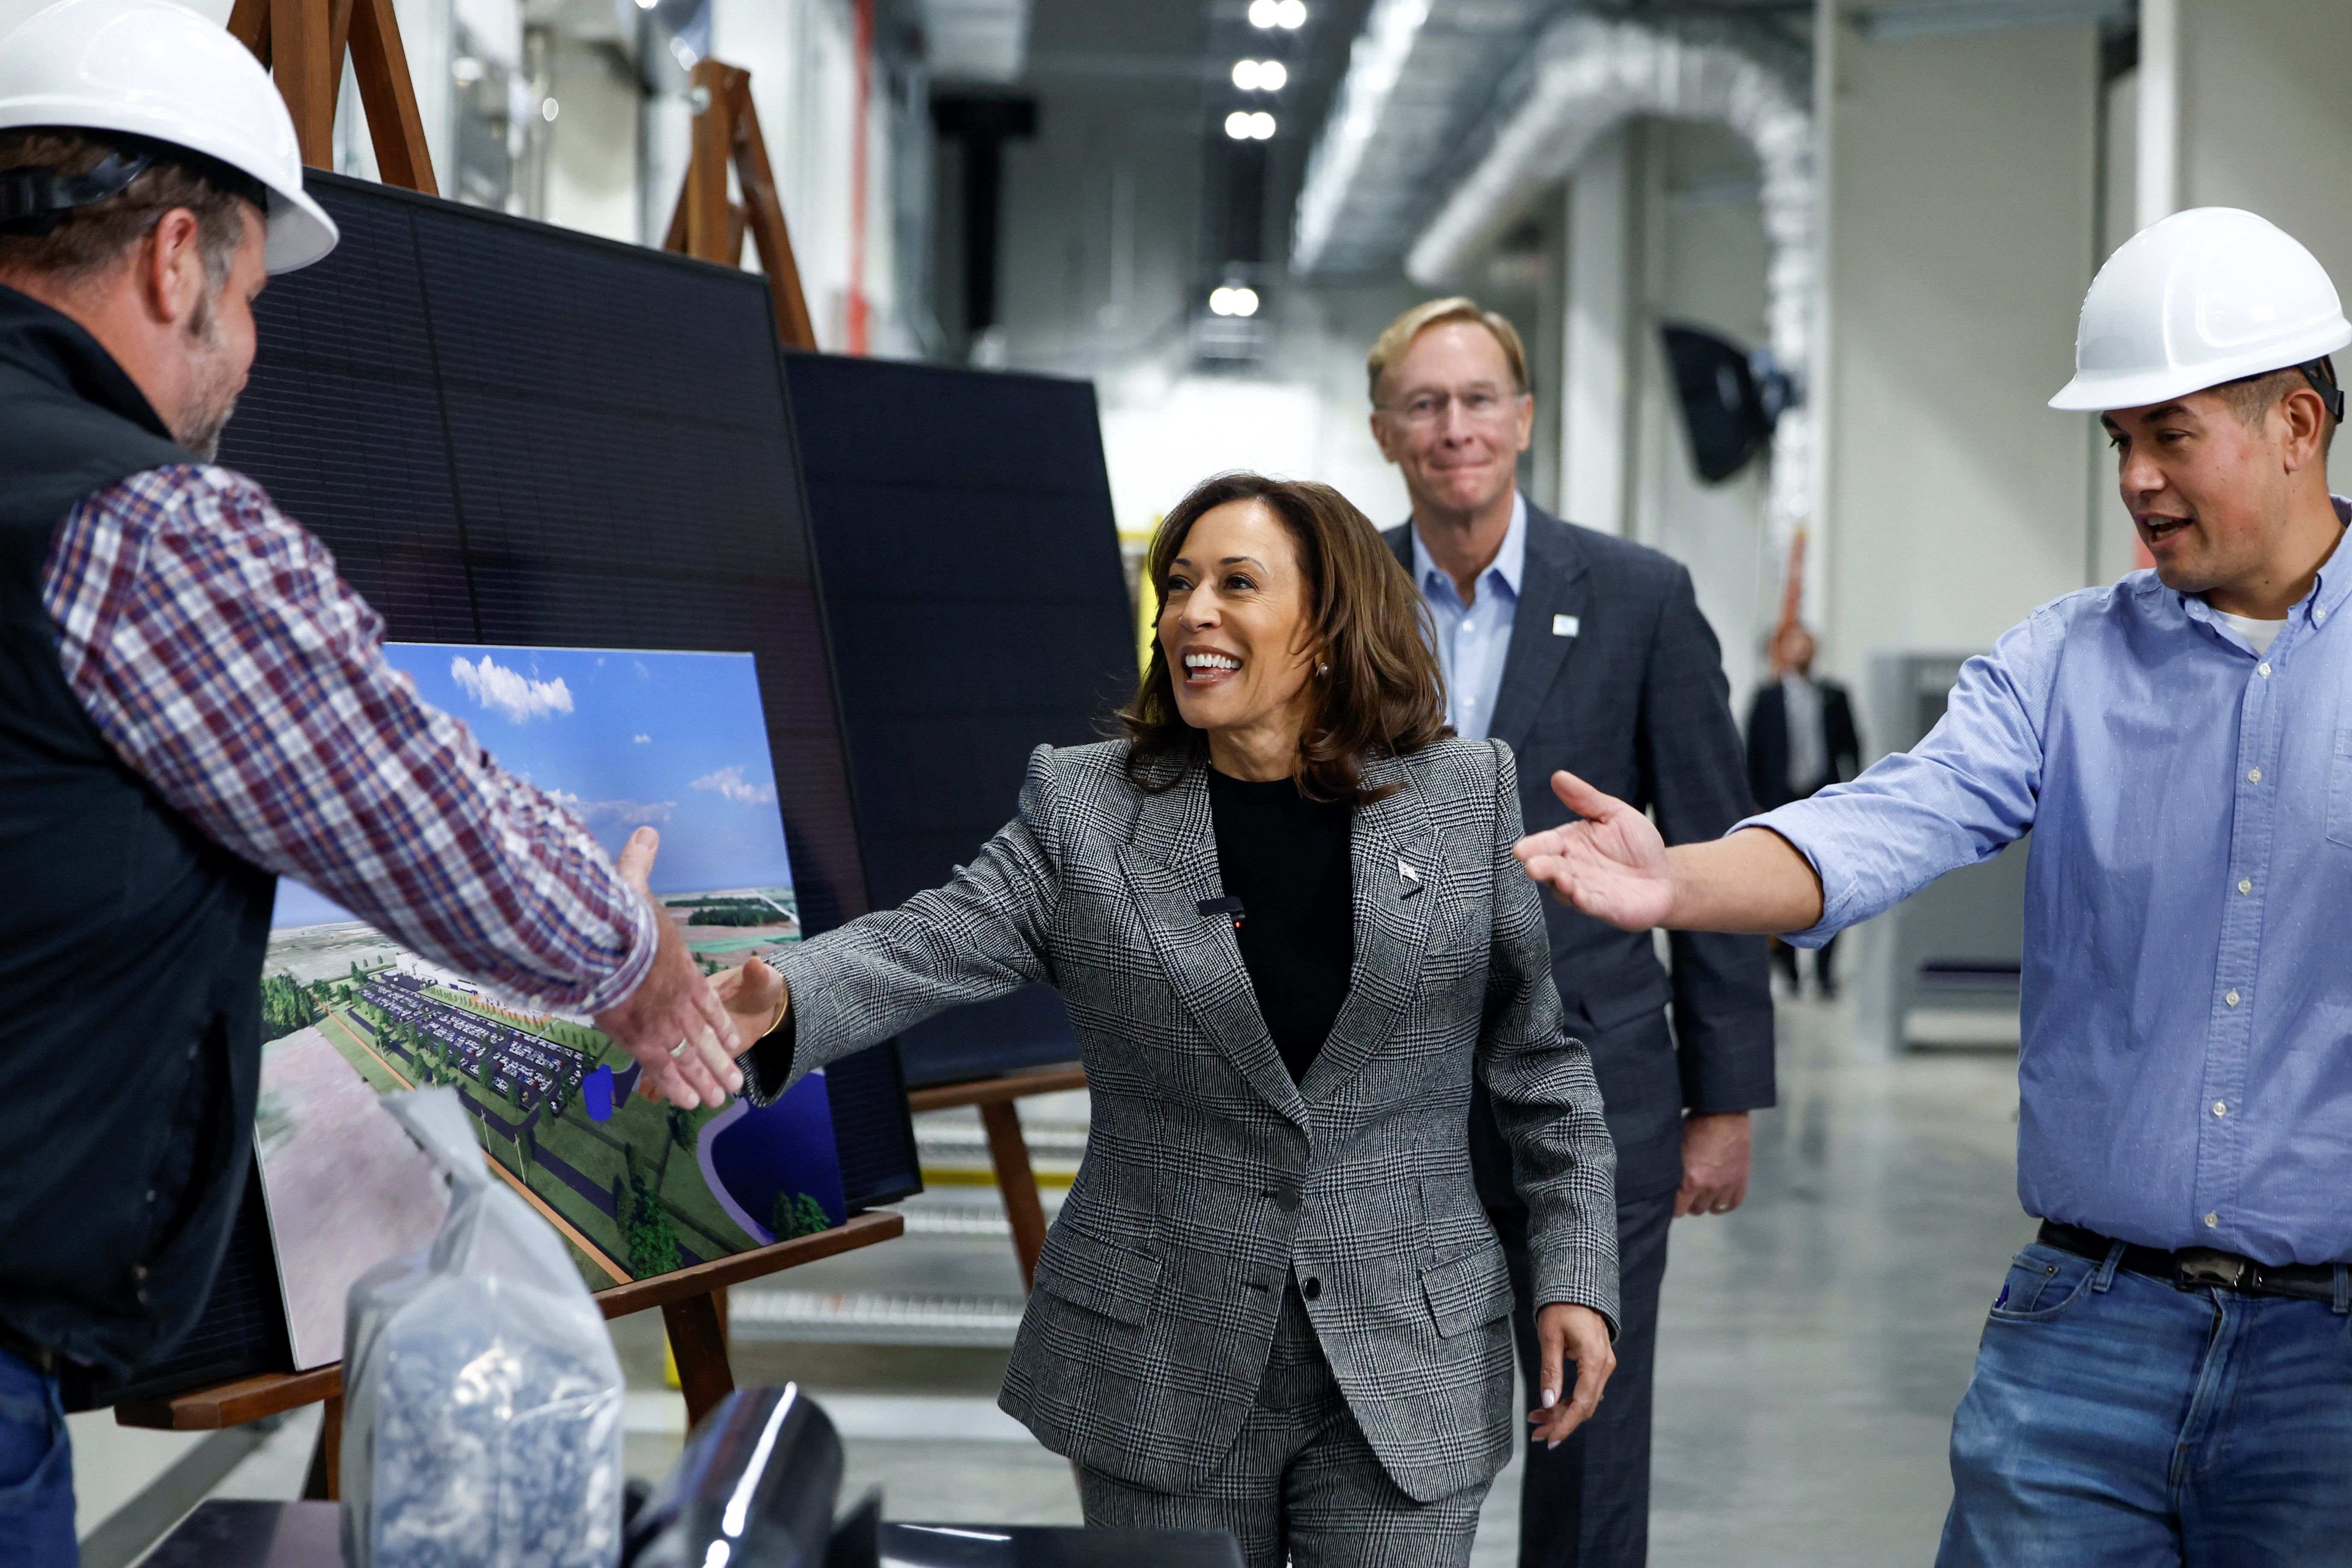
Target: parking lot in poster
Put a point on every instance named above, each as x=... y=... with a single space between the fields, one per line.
x=636 y=1188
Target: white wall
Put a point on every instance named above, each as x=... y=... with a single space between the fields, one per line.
x=1704 y=256
x=1961 y=243
x=592 y=155
x=1596 y=380
x=2263 y=97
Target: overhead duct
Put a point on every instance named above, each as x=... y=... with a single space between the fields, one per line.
x=1588 y=76
x=1421 y=76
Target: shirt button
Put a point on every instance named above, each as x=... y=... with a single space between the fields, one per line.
x=2263 y=670
x=2221 y=1108
x=2212 y=1220
x=2232 y=998
x=1311 y=1288
x=2245 y=884
x=2319 y=615
x=2253 y=776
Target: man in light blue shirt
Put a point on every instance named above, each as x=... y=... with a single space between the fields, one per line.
x=2167 y=1374
x=1473 y=638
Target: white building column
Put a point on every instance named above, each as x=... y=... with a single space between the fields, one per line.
x=1596 y=383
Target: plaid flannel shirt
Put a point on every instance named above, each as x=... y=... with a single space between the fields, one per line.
x=210 y=639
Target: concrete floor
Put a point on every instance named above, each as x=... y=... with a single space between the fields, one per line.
x=1811 y=1349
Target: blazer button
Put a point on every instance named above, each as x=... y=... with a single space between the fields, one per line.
x=1285 y=1197
x=1312 y=1288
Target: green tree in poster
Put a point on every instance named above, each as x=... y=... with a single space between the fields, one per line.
x=645 y=1225
x=286 y=1006
x=525 y=1144
x=797 y=1216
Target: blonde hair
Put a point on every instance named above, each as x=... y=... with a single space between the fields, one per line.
x=1391 y=344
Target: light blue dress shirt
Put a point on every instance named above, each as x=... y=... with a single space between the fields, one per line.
x=1472 y=639
x=2186 y=1072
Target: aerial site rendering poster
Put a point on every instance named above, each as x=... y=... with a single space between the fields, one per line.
x=636 y=1187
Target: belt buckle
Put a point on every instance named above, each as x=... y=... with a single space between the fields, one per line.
x=2197 y=1267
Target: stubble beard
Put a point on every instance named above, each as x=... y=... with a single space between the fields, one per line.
x=212 y=396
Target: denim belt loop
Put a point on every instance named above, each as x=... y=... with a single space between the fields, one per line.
x=2107 y=1274
x=2344 y=1289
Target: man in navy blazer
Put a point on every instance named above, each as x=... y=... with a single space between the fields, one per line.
x=1586 y=652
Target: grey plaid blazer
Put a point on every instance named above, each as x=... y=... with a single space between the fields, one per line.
x=1208 y=1174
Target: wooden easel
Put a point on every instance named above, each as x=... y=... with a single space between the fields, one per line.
x=709 y=227
x=690 y=1310
x=303 y=43
x=1008 y=1151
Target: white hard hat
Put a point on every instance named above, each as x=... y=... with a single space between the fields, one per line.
x=2203 y=297
x=155 y=69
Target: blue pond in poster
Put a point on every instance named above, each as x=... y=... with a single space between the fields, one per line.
x=619 y=738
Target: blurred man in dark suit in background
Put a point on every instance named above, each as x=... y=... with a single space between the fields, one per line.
x=1586 y=652
x=1800 y=740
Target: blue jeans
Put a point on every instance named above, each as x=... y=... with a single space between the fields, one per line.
x=2115 y=1420
x=36 y=1501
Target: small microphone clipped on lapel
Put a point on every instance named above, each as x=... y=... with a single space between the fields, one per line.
x=1413 y=883
x=1225 y=906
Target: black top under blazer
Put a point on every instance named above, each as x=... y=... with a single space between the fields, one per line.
x=1209 y=1175
x=1628 y=693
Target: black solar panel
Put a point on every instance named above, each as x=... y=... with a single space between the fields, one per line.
x=513 y=434
x=973 y=584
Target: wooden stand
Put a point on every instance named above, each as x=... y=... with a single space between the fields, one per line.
x=690 y=1310
x=303 y=44
x=1016 y=1178
x=710 y=227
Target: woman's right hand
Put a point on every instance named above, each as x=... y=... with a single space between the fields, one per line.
x=755 y=998
x=1612 y=865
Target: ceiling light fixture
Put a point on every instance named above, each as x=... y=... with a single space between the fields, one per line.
x=1233 y=299
x=1259 y=76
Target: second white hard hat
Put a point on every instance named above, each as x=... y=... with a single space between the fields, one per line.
x=155 y=69
x=2202 y=297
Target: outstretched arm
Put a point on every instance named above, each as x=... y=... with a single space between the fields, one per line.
x=1614 y=867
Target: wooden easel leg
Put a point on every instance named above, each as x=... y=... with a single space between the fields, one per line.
x=1018 y=1181
x=698 y=1338
x=325 y=1482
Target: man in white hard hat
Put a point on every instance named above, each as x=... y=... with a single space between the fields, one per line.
x=191 y=703
x=2166 y=1375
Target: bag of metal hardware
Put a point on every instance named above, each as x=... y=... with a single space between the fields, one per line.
x=482 y=1399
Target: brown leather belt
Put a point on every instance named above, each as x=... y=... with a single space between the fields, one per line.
x=2199 y=1267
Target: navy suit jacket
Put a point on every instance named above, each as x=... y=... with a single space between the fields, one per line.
x=1629 y=694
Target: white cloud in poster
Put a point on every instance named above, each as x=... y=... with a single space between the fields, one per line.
x=729 y=783
x=602 y=813
x=509 y=693
x=641 y=739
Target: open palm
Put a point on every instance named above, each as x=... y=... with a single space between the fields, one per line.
x=1612 y=865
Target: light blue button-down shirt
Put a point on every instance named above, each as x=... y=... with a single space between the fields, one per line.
x=1472 y=639
x=2187 y=1062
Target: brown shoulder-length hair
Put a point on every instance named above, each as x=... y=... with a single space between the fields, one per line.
x=1382 y=695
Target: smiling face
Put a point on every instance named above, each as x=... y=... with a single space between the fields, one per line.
x=1451 y=417
x=1238 y=628
x=2210 y=494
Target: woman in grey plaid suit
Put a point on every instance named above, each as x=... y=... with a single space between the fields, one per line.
x=1286 y=921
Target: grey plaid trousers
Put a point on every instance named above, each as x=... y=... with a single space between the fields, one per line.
x=1300 y=1485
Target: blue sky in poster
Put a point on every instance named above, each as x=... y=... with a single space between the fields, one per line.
x=622 y=738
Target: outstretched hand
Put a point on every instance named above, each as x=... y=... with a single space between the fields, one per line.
x=673 y=1004
x=1612 y=865
x=754 y=996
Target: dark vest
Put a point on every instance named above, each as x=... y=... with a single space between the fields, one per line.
x=131 y=946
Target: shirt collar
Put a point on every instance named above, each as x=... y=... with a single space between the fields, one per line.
x=2329 y=587
x=1509 y=566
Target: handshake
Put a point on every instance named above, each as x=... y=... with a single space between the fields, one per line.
x=684 y=1028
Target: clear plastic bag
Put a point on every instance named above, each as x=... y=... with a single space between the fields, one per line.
x=482 y=1399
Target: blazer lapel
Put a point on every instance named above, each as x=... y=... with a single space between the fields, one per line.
x=1171 y=868
x=1554 y=584
x=1393 y=854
